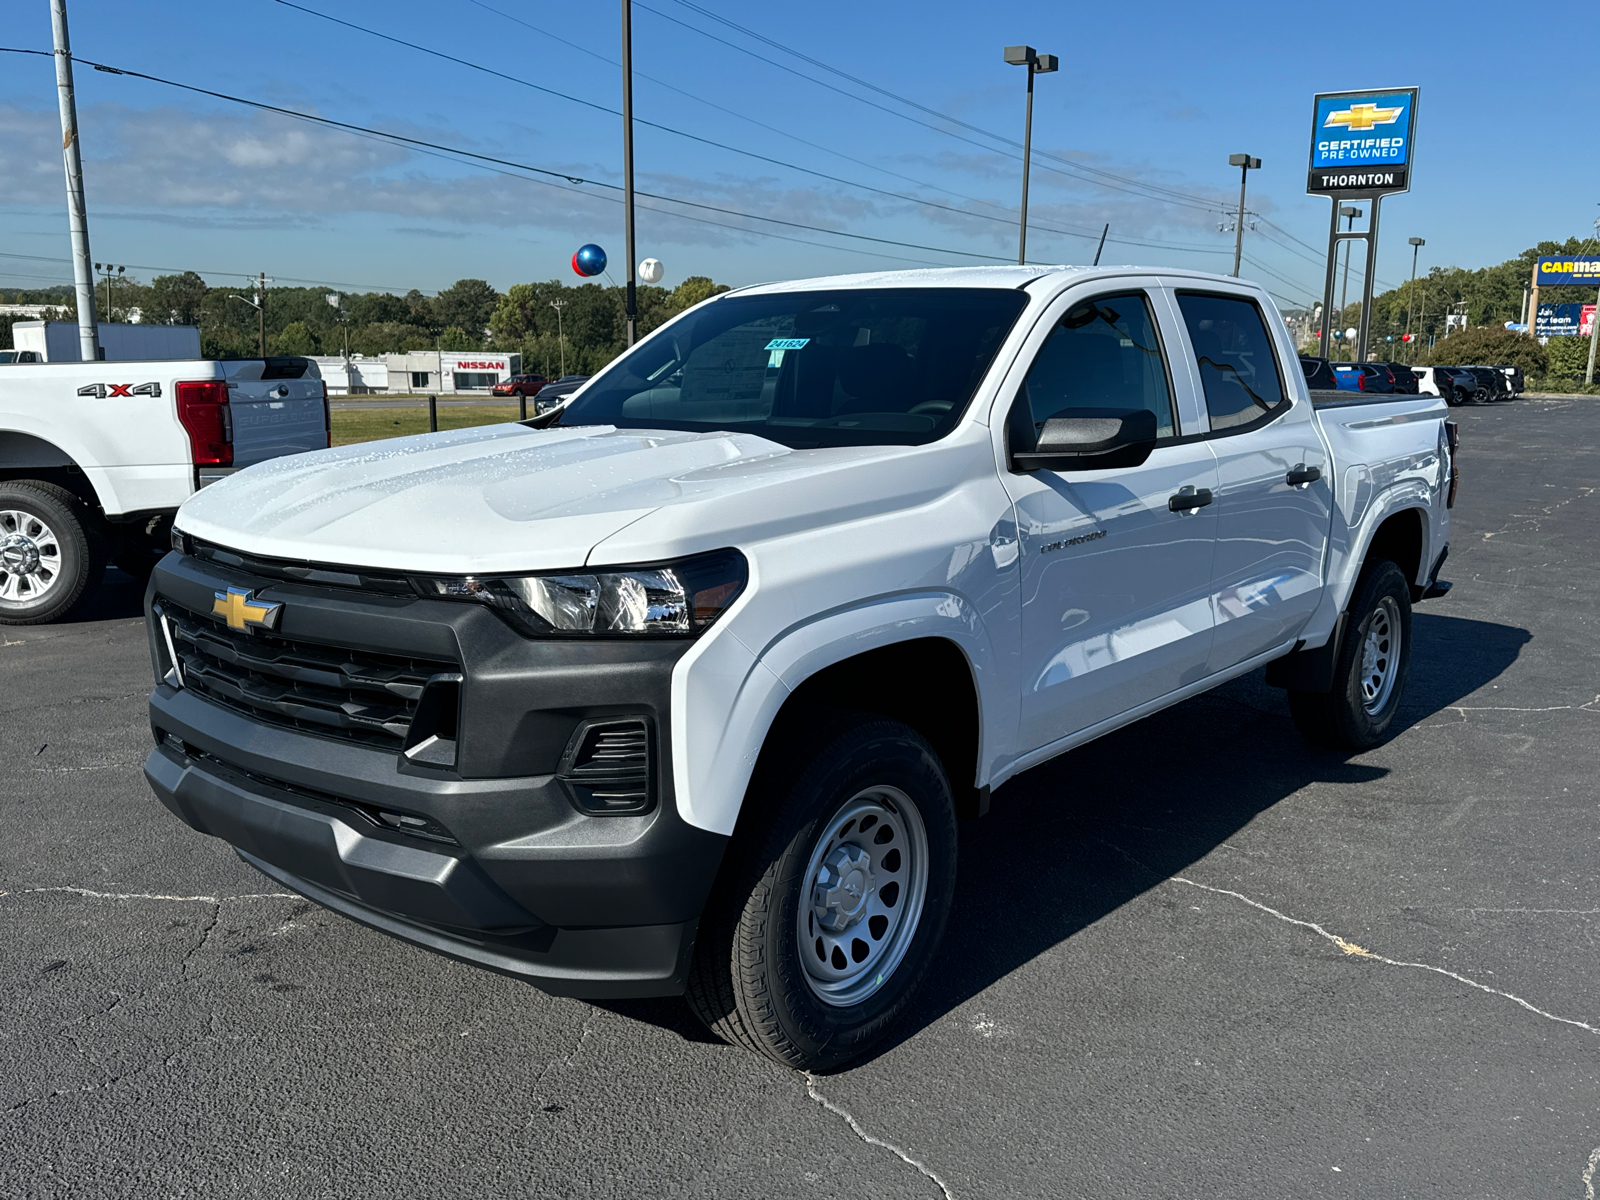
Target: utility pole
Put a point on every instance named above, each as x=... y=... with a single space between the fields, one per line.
x=631 y=309
x=77 y=211
x=1411 y=293
x=261 y=312
x=1037 y=64
x=561 y=338
x=1245 y=164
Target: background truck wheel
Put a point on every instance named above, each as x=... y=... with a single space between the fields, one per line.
x=833 y=896
x=52 y=554
x=1455 y=398
x=1370 y=676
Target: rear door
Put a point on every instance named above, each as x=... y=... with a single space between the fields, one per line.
x=277 y=406
x=1273 y=496
x=1115 y=582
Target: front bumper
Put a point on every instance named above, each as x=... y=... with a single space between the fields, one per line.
x=508 y=872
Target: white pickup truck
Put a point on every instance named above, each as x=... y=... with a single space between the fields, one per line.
x=684 y=691
x=95 y=458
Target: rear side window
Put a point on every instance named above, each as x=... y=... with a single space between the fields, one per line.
x=1104 y=353
x=1238 y=368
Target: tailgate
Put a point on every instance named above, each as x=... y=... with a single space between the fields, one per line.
x=274 y=417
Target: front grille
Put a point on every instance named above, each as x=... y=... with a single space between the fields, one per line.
x=351 y=695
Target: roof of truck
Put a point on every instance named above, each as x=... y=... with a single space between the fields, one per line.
x=986 y=277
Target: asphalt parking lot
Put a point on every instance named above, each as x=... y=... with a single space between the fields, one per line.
x=1196 y=958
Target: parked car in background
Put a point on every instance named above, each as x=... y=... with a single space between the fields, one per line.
x=520 y=385
x=1454 y=385
x=1363 y=377
x=96 y=457
x=554 y=395
x=1492 y=383
x=1404 y=381
x=1319 y=374
x=1515 y=380
x=681 y=689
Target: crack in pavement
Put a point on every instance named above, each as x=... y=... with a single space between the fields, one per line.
x=1588 y=1175
x=855 y=1126
x=1356 y=951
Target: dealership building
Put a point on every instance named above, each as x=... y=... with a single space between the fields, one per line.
x=440 y=372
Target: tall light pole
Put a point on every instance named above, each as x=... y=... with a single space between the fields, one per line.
x=77 y=211
x=1411 y=293
x=1037 y=64
x=1349 y=213
x=1246 y=164
x=561 y=337
x=631 y=308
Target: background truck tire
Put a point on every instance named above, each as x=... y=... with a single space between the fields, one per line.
x=1369 y=677
x=52 y=553
x=833 y=896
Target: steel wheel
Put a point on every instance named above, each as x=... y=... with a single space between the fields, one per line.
x=864 y=888
x=1380 y=656
x=30 y=557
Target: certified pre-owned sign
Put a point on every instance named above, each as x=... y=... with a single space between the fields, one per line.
x=1361 y=142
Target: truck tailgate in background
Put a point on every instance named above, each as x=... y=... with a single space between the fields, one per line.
x=277 y=408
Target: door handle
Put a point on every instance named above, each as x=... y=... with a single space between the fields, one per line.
x=1300 y=475
x=1188 y=499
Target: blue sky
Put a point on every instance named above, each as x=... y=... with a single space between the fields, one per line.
x=1157 y=95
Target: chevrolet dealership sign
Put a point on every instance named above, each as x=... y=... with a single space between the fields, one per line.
x=1361 y=142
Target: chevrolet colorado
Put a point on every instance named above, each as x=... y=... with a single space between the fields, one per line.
x=95 y=459
x=681 y=688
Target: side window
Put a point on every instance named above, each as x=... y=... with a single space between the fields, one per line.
x=1104 y=353
x=1238 y=368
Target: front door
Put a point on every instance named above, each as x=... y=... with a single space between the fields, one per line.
x=1115 y=580
x=1274 y=494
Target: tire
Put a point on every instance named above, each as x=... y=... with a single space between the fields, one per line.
x=812 y=975
x=1454 y=398
x=1369 y=677
x=52 y=553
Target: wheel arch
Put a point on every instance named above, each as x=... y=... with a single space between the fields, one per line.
x=25 y=456
x=1402 y=539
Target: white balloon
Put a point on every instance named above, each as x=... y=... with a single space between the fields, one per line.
x=1350 y=333
x=651 y=270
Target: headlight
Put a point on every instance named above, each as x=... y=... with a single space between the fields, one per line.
x=675 y=599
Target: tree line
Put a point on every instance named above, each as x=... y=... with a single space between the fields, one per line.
x=586 y=332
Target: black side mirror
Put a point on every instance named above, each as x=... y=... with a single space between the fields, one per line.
x=1091 y=439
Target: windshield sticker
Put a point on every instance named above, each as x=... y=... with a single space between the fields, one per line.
x=787 y=343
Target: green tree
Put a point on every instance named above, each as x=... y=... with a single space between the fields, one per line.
x=1493 y=346
x=174 y=300
x=294 y=338
x=456 y=338
x=1568 y=358
x=467 y=303
x=693 y=290
x=389 y=337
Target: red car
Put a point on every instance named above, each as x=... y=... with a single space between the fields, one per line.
x=519 y=385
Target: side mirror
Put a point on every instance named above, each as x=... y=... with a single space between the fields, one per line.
x=1091 y=439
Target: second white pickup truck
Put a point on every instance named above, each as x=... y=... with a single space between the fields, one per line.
x=684 y=692
x=96 y=457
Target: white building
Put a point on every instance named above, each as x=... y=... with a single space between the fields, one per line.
x=448 y=371
x=355 y=376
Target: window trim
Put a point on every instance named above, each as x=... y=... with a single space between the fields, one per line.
x=1281 y=409
x=1143 y=291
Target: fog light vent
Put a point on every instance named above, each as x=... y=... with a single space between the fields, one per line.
x=608 y=766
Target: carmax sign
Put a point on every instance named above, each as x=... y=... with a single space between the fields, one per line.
x=1584 y=272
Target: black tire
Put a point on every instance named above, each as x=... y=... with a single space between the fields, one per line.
x=749 y=982
x=79 y=552
x=1454 y=398
x=1350 y=717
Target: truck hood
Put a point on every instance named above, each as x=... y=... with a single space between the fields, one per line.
x=495 y=498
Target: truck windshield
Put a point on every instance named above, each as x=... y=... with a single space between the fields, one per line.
x=854 y=367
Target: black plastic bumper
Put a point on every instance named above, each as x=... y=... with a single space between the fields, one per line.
x=514 y=877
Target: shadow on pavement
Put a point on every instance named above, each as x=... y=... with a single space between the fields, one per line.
x=118 y=597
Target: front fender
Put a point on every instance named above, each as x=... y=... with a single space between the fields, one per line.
x=713 y=759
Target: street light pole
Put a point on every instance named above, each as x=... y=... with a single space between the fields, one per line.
x=1411 y=293
x=561 y=337
x=1246 y=164
x=632 y=304
x=77 y=211
x=1349 y=213
x=1037 y=64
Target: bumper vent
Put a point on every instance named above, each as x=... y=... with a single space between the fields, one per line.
x=609 y=767
x=350 y=695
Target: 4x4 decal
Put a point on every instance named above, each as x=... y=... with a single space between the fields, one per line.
x=101 y=390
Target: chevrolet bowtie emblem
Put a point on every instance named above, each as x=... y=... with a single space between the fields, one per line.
x=1359 y=118
x=240 y=609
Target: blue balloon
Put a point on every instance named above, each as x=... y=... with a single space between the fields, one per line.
x=589 y=260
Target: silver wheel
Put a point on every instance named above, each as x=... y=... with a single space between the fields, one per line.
x=864 y=888
x=1380 y=656
x=30 y=557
